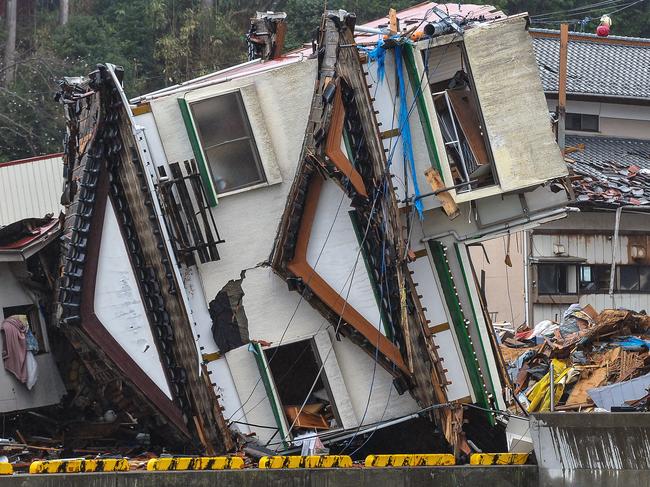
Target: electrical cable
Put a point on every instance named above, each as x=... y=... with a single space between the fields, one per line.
x=338 y=325
x=581 y=9
x=295 y=311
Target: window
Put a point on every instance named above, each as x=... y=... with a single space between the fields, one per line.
x=581 y=122
x=294 y=374
x=227 y=141
x=556 y=278
x=294 y=368
x=594 y=279
x=633 y=278
x=33 y=319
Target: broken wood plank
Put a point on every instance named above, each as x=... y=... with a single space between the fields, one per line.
x=436 y=183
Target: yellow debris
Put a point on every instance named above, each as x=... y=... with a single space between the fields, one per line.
x=6 y=468
x=540 y=395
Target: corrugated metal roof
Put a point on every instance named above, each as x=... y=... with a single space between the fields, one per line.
x=611 y=171
x=30 y=188
x=596 y=68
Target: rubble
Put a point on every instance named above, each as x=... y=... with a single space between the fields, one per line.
x=589 y=352
x=170 y=338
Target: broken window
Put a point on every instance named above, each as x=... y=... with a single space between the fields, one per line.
x=459 y=117
x=30 y=311
x=227 y=141
x=581 y=122
x=295 y=371
x=556 y=278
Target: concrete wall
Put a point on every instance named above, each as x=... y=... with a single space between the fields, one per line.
x=464 y=476
x=587 y=449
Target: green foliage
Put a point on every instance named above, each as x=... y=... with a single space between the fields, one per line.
x=162 y=42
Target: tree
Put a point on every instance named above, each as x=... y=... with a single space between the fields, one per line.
x=9 y=67
x=64 y=11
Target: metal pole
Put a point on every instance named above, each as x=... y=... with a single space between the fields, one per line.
x=527 y=314
x=561 y=109
x=612 y=271
x=551 y=372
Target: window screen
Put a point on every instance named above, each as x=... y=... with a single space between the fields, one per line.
x=227 y=141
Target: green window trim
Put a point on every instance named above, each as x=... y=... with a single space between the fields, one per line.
x=458 y=321
x=267 y=380
x=198 y=152
x=469 y=294
x=414 y=77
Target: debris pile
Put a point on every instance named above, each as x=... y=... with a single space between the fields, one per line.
x=599 y=361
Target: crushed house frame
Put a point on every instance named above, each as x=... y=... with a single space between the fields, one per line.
x=342 y=231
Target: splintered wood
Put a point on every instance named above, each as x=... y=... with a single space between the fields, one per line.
x=436 y=183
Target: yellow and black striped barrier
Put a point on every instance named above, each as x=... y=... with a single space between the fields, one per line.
x=322 y=461
x=6 y=468
x=498 y=458
x=195 y=463
x=423 y=460
x=79 y=465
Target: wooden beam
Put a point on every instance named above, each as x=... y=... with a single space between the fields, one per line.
x=448 y=203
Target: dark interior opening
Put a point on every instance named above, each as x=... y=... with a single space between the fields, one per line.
x=294 y=368
x=460 y=118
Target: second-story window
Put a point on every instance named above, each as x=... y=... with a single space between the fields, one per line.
x=581 y=122
x=227 y=141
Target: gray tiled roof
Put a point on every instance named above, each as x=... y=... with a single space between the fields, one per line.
x=596 y=68
x=613 y=171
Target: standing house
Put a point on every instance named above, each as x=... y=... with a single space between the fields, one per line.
x=289 y=237
x=608 y=152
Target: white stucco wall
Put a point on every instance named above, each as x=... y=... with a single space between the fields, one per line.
x=248 y=223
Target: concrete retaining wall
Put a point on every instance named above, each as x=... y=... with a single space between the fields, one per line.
x=589 y=449
x=519 y=476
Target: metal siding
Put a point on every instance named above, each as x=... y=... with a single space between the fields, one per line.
x=30 y=189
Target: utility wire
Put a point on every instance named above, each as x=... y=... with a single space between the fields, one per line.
x=338 y=325
x=295 y=311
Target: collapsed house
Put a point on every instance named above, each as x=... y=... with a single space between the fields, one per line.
x=279 y=250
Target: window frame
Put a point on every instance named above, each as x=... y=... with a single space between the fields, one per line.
x=259 y=137
x=341 y=404
x=567 y=278
x=438 y=140
x=36 y=324
x=597 y=290
x=581 y=122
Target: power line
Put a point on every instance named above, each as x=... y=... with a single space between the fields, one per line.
x=338 y=325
